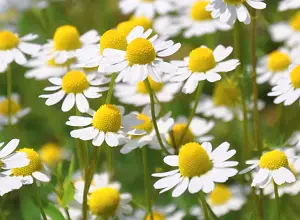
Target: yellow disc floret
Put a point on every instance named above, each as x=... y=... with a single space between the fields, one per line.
x=51 y=154
x=140 y=51
x=226 y=95
x=75 y=82
x=104 y=202
x=295 y=21
x=143 y=21
x=113 y=39
x=127 y=26
x=66 y=38
x=178 y=130
x=8 y=40
x=35 y=163
x=146 y=124
x=278 y=61
x=15 y=107
x=193 y=160
x=273 y=160
x=156 y=216
x=201 y=60
x=198 y=11
x=220 y=195
x=108 y=118
x=234 y=2
x=141 y=86
x=295 y=77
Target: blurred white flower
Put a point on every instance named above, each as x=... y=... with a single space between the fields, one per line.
x=288 y=5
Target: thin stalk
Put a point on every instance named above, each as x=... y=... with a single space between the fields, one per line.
x=9 y=92
x=147 y=83
x=39 y=202
x=67 y=214
x=277 y=200
x=197 y=99
x=204 y=206
x=147 y=182
x=79 y=150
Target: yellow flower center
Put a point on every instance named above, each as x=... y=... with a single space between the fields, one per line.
x=141 y=86
x=15 y=107
x=140 y=51
x=198 y=11
x=143 y=21
x=156 y=216
x=220 y=195
x=127 y=26
x=193 y=160
x=104 y=202
x=108 y=118
x=66 y=38
x=295 y=76
x=201 y=60
x=178 y=130
x=278 y=61
x=51 y=154
x=295 y=21
x=35 y=163
x=51 y=63
x=273 y=160
x=75 y=82
x=113 y=39
x=226 y=96
x=8 y=40
x=234 y=2
x=147 y=123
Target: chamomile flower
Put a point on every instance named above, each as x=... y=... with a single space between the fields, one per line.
x=66 y=41
x=272 y=165
x=10 y=160
x=105 y=199
x=147 y=8
x=273 y=66
x=75 y=88
x=13 y=47
x=203 y=64
x=144 y=134
x=287 y=89
x=51 y=154
x=17 y=112
x=288 y=5
x=197 y=21
x=230 y=10
x=127 y=26
x=167 y=25
x=106 y=124
x=287 y=31
x=223 y=199
x=199 y=168
x=138 y=95
x=168 y=212
x=142 y=57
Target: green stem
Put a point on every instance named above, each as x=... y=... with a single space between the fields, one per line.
x=111 y=88
x=277 y=200
x=197 y=99
x=204 y=205
x=9 y=92
x=39 y=202
x=147 y=182
x=147 y=83
x=67 y=214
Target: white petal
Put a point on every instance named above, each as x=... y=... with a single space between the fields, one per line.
x=181 y=187
x=98 y=140
x=195 y=185
x=111 y=139
x=82 y=103
x=41 y=177
x=9 y=148
x=68 y=103
x=171 y=160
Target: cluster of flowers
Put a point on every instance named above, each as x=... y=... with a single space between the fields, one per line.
x=130 y=60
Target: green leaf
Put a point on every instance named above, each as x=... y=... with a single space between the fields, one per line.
x=68 y=188
x=53 y=212
x=29 y=210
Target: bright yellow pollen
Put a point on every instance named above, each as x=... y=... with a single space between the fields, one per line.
x=193 y=160
x=273 y=160
x=278 y=61
x=51 y=154
x=8 y=40
x=113 y=39
x=35 y=163
x=201 y=60
x=198 y=11
x=178 y=130
x=156 y=216
x=234 y=2
x=225 y=95
x=220 y=195
x=66 y=38
x=295 y=21
x=156 y=87
x=104 y=202
x=140 y=51
x=146 y=125
x=75 y=82
x=108 y=118
x=295 y=77
x=15 y=107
